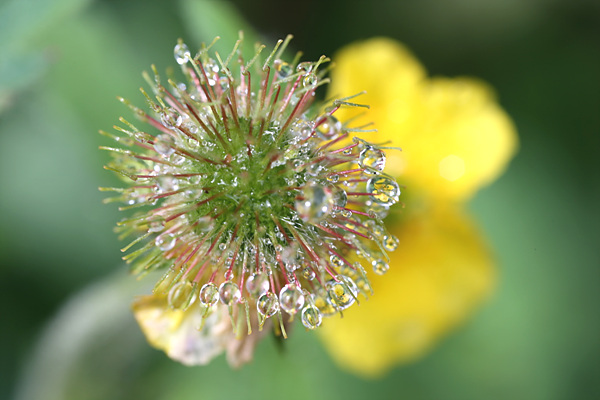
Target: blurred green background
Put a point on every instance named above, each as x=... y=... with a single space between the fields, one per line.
x=63 y=62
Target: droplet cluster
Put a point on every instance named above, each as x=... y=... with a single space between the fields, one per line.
x=247 y=196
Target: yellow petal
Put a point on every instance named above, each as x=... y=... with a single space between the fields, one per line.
x=454 y=135
x=176 y=332
x=440 y=272
x=185 y=337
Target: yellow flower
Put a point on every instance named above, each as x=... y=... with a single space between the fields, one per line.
x=455 y=139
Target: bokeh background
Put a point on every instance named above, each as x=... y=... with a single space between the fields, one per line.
x=66 y=331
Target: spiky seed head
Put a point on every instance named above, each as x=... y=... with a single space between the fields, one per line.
x=245 y=195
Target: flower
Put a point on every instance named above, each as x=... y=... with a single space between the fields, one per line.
x=255 y=206
x=455 y=139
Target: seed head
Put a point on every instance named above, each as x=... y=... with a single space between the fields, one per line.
x=247 y=196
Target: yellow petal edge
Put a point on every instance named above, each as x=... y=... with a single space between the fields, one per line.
x=454 y=135
x=441 y=271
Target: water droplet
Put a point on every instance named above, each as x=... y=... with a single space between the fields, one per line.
x=229 y=293
x=211 y=66
x=228 y=275
x=181 y=295
x=257 y=284
x=342 y=294
x=166 y=241
x=191 y=128
x=209 y=294
x=372 y=159
x=333 y=178
x=170 y=118
x=156 y=225
x=182 y=53
x=283 y=69
x=222 y=246
x=267 y=304
x=340 y=198
x=205 y=223
x=301 y=129
x=162 y=145
x=375 y=227
x=329 y=128
x=316 y=204
x=383 y=190
x=166 y=183
x=308 y=274
x=311 y=317
x=336 y=261
x=380 y=267
x=305 y=66
x=310 y=80
x=378 y=210
x=390 y=242
x=315 y=169
x=224 y=83
x=177 y=159
x=351 y=183
x=291 y=298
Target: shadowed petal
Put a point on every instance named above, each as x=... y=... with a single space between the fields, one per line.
x=441 y=271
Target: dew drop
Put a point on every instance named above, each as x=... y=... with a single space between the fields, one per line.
x=383 y=190
x=291 y=298
x=205 y=223
x=229 y=273
x=209 y=294
x=163 y=145
x=257 y=284
x=170 y=118
x=329 y=128
x=390 y=242
x=308 y=274
x=310 y=80
x=182 y=53
x=211 y=66
x=316 y=203
x=340 y=198
x=311 y=317
x=191 y=127
x=224 y=83
x=342 y=294
x=305 y=66
x=376 y=228
x=336 y=261
x=229 y=293
x=301 y=129
x=222 y=246
x=267 y=304
x=380 y=267
x=166 y=241
x=372 y=159
x=283 y=69
x=181 y=295
x=157 y=225
x=167 y=183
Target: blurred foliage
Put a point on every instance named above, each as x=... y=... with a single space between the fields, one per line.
x=63 y=62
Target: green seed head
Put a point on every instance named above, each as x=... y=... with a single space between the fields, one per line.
x=246 y=195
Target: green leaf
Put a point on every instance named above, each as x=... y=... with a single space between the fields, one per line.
x=25 y=23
